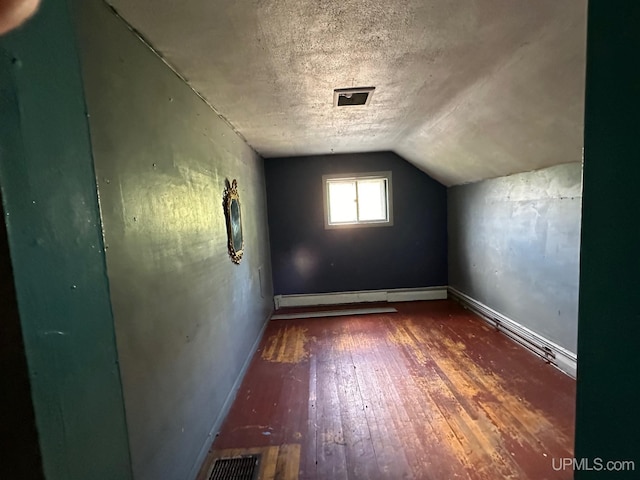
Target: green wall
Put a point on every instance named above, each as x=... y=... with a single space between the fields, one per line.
x=608 y=395
x=55 y=238
x=20 y=458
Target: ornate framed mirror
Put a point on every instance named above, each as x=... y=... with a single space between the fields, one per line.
x=231 y=204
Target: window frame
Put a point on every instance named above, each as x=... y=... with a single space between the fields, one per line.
x=386 y=175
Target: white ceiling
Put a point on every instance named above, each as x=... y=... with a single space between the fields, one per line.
x=465 y=89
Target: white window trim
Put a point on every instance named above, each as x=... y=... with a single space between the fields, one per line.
x=358 y=176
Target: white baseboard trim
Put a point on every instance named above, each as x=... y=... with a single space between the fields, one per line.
x=217 y=424
x=363 y=296
x=551 y=352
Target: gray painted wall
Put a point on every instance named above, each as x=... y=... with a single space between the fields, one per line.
x=186 y=317
x=514 y=245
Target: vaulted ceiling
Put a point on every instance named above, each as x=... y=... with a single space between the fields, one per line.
x=464 y=89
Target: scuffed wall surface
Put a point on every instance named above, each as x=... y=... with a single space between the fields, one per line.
x=514 y=245
x=186 y=316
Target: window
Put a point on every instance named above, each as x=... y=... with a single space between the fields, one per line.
x=362 y=200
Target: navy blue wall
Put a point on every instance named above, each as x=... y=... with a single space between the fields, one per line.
x=307 y=258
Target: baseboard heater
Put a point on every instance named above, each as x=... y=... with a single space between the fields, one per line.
x=542 y=350
x=364 y=296
x=550 y=352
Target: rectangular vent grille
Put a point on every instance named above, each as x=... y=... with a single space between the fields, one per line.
x=236 y=468
x=343 y=97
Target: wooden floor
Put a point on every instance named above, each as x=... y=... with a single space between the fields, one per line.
x=430 y=392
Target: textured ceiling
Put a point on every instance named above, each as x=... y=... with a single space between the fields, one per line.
x=465 y=89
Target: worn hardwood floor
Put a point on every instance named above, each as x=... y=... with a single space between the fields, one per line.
x=430 y=392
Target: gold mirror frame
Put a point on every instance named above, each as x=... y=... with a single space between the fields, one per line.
x=231 y=204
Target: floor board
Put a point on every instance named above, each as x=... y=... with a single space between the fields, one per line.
x=429 y=392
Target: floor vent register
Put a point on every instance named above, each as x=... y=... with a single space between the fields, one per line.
x=237 y=468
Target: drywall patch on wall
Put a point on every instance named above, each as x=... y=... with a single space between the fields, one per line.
x=514 y=245
x=186 y=317
x=309 y=259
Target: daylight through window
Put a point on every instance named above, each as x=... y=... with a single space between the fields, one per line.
x=357 y=200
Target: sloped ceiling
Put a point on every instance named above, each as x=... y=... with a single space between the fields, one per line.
x=465 y=89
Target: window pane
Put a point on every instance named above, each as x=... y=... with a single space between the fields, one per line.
x=342 y=202
x=372 y=200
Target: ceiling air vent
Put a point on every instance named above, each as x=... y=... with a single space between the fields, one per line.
x=343 y=97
